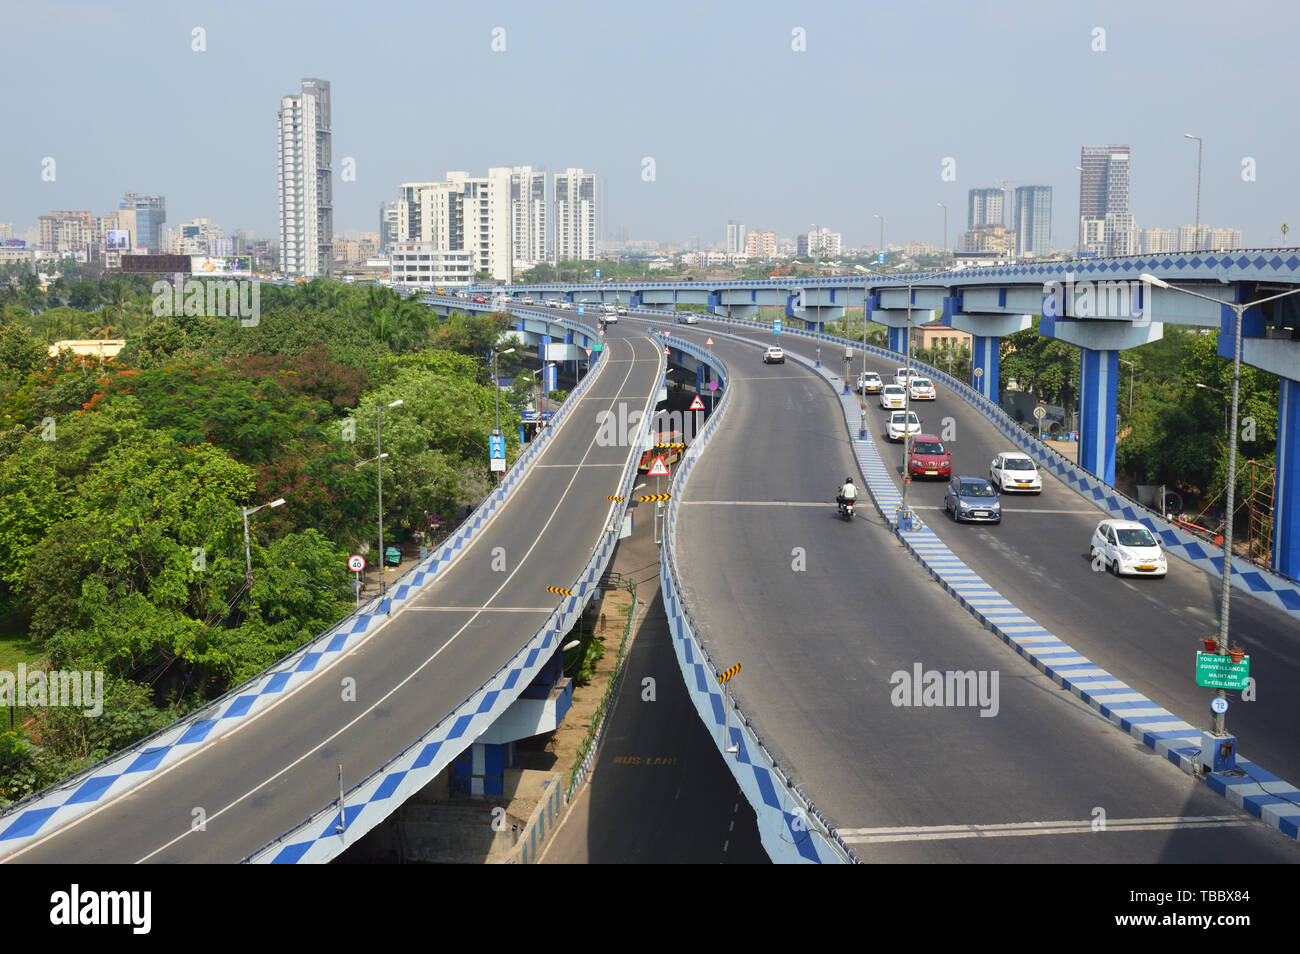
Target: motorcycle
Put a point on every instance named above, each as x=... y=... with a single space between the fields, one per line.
x=846 y=509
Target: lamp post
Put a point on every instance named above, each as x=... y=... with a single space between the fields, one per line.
x=1131 y=368
x=248 y=555
x=1206 y=387
x=1199 y=148
x=877 y=215
x=379 y=471
x=1238 y=309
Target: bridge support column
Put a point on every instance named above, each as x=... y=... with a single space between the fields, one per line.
x=984 y=358
x=987 y=331
x=480 y=770
x=898 y=340
x=1286 y=495
x=634 y=300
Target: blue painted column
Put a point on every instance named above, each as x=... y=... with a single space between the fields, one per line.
x=700 y=383
x=1286 y=495
x=984 y=355
x=480 y=769
x=715 y=300
x=1098 y=389
x=634 y=300
x=898 y=340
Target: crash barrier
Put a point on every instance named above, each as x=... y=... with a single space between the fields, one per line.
x=541 y=823
x=790 y=826
x=329 y=831
x=44 y=811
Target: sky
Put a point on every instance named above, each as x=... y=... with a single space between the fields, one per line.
x=779 y=115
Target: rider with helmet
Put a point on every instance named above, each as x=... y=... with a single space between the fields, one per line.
x=847 y=492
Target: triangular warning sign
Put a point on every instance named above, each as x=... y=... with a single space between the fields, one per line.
x=708 y=341
x=658 y=468
x=668 y=334
x=588 y=350
x=697 y=404
x=667 y=352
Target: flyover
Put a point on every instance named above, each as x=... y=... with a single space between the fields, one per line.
x=460 y=657
x=818 y=642
x=1101 y=306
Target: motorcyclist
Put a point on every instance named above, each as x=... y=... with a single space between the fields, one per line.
x=847 y=492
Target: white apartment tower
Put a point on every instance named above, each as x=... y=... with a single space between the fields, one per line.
x=463 y=214
x=735 y=237
x=306 y=181
x=528 y=214
x=575 y=215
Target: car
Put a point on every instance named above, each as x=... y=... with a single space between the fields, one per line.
x=774 y=355
x=480 y=300
x=689 y=319
x=922 y=389
x=1126 y=547
x=1014 y=472
x=621 y=310
x=610 y=318
x=972 y=498
x=869 y=383
x=440 y=291
x=566 y=306
x=892 y=396
x=904 y=376
x=461 y=295
x=896 y=429
x=927 y=457
x=529 y=301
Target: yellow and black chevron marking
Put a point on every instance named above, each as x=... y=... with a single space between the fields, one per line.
x=649 y=497
x=559 y=589
x=726 y=676
x=612 y=497
x=672 y=446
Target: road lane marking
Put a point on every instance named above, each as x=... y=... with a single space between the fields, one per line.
x=482 y=609
x=866 y=836
x=758 y=503
x=1031 y=510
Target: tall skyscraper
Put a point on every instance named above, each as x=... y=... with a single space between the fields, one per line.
x=469 y=214
x=528 y=214
x=735 y=237
x=1033 y=221
x=306 y=181
x=575 y=215
x=984 y=207
x=1103 y=191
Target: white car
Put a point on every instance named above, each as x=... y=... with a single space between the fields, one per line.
x=895 y=428
x=904 y=376
x=923 y=389
x=869 y=383
x=1127 y=547
x=774 y=355
x=529 y=301
x=689 y=319
x=566 y=306
x=1014 y=472
x=892 y=396
x=621 y=309
x=610 y=318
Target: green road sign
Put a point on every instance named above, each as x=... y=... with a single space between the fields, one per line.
x=598 y=346
x=1220 y=672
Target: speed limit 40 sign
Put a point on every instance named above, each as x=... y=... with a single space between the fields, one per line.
x=356 y=563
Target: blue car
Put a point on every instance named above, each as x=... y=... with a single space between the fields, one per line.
x=972 y=498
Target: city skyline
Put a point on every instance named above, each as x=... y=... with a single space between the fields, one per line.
x=662 y=187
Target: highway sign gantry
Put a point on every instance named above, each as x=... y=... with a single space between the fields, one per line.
x=650 y=498
x=560 y=590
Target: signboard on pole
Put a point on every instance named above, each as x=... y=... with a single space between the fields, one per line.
x=1220 y=672
x=497 y=452
x=776 y=326
x=356 y=563
x=697 y=404
x=658 y=468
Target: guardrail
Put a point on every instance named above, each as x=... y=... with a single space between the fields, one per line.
x=790 y=826
x=44 y=811
x=328 y=831
x=1266 y=585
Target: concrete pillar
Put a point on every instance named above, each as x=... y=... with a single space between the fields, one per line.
x=1286 y=495
x=898 y=340
x=1098 y=389
x=984 y=356
x=480 y=770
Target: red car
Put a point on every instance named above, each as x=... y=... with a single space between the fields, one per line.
x=928 y=458
x=480 y=300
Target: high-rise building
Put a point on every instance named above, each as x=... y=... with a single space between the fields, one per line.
x=818 y=243
x=575 y=215
x=306 y=181
x=1159 y=241
x=387 y=225
x=528 y=214
x=989 y=238
x=1103 y=190
x=761 y=245
x=144 y=216
x=735 y=237
x=1033 y=220
x=984 y=207
x=462 y=214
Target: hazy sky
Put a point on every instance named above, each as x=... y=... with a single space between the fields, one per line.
x=738 y=123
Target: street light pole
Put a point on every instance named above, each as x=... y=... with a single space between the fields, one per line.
x=945 y=233
x=1230 y=504
x=1199 y=146
x=248 y=556
x=877 y=215
x=379 y=470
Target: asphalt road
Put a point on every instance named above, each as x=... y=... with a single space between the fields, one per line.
x=829 y=617
x=280 y=766
x=660 y=793
x=1145 y=631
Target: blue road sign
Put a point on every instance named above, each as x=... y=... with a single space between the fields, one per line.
x=598 y=273
x=497 y=446
x=776 y=326
x=880 y=258
x=1219 y=705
